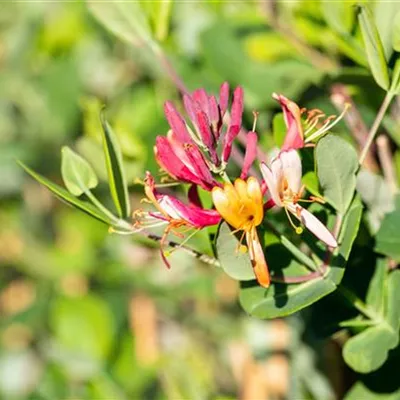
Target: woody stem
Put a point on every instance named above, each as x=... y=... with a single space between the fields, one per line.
x=374 y=129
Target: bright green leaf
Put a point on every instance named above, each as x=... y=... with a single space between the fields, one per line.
x=235 y=263
x=396 y=32
x=388 y=236
x=374 y=48
x=393 y=300
x=125 y=19
x=384 y=13
x=377 y=287
x=66 y=196
x=336 y=167
x=338 y=15
x=368 y=350
x=360 y=391
x=115 y=170
x=77 y=173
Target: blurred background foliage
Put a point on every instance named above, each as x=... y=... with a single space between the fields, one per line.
x=90 y=315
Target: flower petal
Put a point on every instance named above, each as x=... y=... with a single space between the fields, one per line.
x=176 y=122
x=250 y=154
x=195 y=216
x=271 y=184
x=291 y=168
x=314 y=225
x=257 y=257
x=291 y=112
x=224 y=98
x=235 y=123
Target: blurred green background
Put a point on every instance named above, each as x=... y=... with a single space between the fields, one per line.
x=90 y=315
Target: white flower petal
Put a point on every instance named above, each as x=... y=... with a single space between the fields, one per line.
x=272 y=185
x=314 y=225
x=291 y=167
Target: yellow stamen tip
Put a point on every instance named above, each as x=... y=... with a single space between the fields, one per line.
x=167 y=253
x=299 y=230
x=243 y=249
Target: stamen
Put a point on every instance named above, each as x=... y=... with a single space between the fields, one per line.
x=255 y=114
x=184 y=242
x=297 y=229
x=328 y=124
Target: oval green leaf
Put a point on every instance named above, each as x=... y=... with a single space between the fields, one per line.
x=115 y=170
x=337 y=164
x=77 y=173
x=373 y=47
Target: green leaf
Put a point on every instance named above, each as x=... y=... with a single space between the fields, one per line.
x=83 y=325
x=77 y=173
x=66 y=196
x=126 y=20
x=279 y=129
x=235 y=263
x=388 y=236
x=336 y=167
x=281 y=299
x=385 y=13
x=373 y=47
x=115 y=170
x=368 y=350
x=377 y=287
x=338 y=15
x=395 y=84
x=360 y=391
x=396 y=32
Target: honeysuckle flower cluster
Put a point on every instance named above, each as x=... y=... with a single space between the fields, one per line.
x=197 y=150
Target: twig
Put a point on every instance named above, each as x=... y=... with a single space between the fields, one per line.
x=316 y=58
x=353 y=119
x=386 y=160
x=379 y=117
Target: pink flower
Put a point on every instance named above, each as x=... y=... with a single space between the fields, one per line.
x=283 y=179
x=173 y=213
x=189 y=152
x=299 y=133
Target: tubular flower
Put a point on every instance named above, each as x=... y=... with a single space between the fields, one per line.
x=300 y=132
x=241 y=205
x=173 y=213
x=283 y=179
x=189 y=152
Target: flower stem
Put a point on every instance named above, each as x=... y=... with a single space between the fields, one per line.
x=357 y=303
x=101 y=207
x=379 y=117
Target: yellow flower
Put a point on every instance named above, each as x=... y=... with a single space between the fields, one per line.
x=241 y=206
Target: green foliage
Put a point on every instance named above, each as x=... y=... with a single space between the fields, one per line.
x=234 y=262
x=388 y=236
x=368 y=350
x=115 y=170
x=77 y=173
x=373 y=47
x=336 y=167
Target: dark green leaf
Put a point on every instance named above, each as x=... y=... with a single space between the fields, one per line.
x=77 y=173
x=336 y=167
x=66 y=196
x=373 y=48
x=115 y=170
x=284 y=299
x=377 y=287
